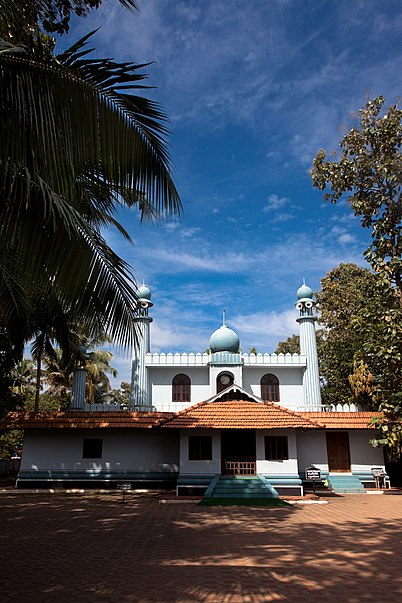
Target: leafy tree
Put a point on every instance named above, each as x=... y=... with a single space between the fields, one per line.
x=11 y=443
x=63 y=181
x=345 y=292
x=86 y=354
x=121 y=396
x=368 y=172
x=9 y=358
x=291 y=345
x=253 y=350
x=23 y=379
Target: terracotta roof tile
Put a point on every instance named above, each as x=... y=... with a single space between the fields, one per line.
x=238 y=414
x=342 y=420
x=82 y=419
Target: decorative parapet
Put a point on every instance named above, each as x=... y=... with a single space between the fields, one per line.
x=224 y=358
x=177 y=359
x=327 y=407
x=278 y=359
x=117 y=407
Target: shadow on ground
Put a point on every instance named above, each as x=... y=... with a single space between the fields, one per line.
x=94 y=548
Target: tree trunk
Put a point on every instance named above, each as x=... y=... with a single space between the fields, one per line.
x=38 y=376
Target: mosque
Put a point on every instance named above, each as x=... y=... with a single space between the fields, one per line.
x=206 y=423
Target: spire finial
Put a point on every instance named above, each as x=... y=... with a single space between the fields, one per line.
x=224 y=317
x=304 y=281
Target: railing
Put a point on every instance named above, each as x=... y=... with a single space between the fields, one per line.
x=239 y=465
x=326 y=408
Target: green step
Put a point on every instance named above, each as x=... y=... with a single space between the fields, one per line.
x=241 y=487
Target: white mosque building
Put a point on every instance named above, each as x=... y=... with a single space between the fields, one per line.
x=205 y=423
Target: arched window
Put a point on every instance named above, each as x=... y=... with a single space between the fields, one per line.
x=181 y=388
x=270 y=388
x=223 y=381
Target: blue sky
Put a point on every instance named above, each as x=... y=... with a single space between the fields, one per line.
x=253 y=89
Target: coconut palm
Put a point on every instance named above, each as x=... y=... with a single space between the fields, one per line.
x=78 y=143
x=59 y=367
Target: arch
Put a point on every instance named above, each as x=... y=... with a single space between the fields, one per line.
x=181 y=388
x=270 y=388
x=223 y=381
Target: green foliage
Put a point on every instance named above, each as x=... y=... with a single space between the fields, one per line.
x=345 y=292
x=62 y=183
x=11 y=443
x=19 y=18
x=369 y=172
x=9 y=357
x=291 y=345
x=121 y=396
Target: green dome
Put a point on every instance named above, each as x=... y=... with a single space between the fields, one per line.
x=224 y=340
x=144 y=292
x=304 y=292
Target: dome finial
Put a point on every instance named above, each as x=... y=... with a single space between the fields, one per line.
x=304 y=292
x=224 y=339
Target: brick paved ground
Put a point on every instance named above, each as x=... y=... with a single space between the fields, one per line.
x=93 y=548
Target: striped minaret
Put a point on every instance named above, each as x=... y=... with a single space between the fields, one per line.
x=308 y=345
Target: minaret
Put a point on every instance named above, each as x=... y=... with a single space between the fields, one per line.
x=308 y=345
x=140 y=394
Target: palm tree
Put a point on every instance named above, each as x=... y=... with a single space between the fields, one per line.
x=23 y=378
x=78 y=143
x=59 y=367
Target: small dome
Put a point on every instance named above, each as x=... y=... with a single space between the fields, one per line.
x=224 y=340
x=144 y=292
x=304 y=292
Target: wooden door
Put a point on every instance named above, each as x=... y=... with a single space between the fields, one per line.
x=338 y=451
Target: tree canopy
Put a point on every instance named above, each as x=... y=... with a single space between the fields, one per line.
x=346 y=291
x=368 y=172
x=64 y=177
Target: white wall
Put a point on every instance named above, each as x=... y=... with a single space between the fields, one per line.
x=161 y=386
x=290 y=382
x=284 y=467
x=363 y=455
x=200 y=467
x=123 y=449
x=312 y=450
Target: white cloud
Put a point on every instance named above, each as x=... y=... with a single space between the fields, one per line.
x=282 y=217
x=275 y=202
x=347 y=238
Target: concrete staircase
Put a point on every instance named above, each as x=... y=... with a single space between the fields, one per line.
x=345 y=484
x=240 y=486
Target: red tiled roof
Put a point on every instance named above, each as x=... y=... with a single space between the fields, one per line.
x=342 y=420
x=222 y=414
x=83 y=419
x=238 y=414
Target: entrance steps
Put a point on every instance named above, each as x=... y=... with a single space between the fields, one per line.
x=240 y=486
x=345 y=484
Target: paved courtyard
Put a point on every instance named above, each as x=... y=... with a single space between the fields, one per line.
x=93 y=548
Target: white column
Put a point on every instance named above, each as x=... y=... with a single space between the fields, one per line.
x=140 y=390
x=78 y=389
x=308 y=347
